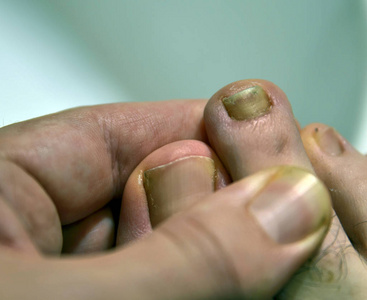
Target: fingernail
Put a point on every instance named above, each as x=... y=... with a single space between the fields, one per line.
x=175 y=186
x=293 y=205
x=328 y=140
x=248 y=104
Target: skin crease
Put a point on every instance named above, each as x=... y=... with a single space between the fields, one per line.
x=92 y=142
x=77 y=162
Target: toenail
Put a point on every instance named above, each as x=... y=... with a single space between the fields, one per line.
x=182 y=179
x=247 y=104
x=328 y=140
x=292 y=205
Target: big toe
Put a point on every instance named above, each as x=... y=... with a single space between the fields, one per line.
x=251 y=126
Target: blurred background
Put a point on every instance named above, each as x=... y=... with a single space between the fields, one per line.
x=60 y=54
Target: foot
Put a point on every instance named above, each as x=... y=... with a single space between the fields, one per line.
x=258 y=134
x=338 y=270
x=247 y=143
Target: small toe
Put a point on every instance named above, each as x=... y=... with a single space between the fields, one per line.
x=344 y=171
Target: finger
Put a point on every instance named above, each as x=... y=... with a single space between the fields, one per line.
x=83 y=157
x=188 y=170
x=95 y=233
x=31 y=212
x=13 y=236
x=226 y=244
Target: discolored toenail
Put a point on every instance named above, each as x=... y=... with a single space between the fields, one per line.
x=185 y=179
x=247 y=104
x=328 y=140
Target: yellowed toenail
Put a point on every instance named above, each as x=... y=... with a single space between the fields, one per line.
x=329 y=141
x=174 y=186
x=248 y=104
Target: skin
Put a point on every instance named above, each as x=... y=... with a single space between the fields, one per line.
x=338 y=267
x=64 y=169
x=338 y=270
x=62 y=172
x=75 y=162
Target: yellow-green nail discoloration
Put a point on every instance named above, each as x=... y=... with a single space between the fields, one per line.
x=170 y=188
x=248 y=104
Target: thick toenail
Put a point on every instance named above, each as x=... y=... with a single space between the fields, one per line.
x=248 y=104
x=183 y=179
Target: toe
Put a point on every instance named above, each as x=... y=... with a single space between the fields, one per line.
x=251 y=126
x=343 y=169
x=168 y=181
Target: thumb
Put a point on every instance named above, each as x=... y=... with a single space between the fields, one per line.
x=246 y=239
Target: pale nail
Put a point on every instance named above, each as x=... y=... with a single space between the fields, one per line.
x=293 y=205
